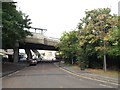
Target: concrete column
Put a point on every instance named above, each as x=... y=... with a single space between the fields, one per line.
x=29 y=54
x=36 y=52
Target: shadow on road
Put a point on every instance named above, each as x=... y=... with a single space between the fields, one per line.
x=48 y=61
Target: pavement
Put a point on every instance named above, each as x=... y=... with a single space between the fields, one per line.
x=91 y=75
x=9 y=67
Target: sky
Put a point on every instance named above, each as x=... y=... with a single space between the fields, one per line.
x=58 y=16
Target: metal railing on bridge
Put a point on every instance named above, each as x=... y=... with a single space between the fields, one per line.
x=37 y=30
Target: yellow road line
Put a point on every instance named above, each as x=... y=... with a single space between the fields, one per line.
x=87 y=77
x=16 y=71
x=10 y=74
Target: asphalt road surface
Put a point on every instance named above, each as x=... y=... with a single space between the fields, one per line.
x=48 y=75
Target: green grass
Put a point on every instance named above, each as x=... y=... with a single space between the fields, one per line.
x=69 y=64
x=113 y=73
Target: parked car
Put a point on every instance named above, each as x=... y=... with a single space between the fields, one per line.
x=33 y=62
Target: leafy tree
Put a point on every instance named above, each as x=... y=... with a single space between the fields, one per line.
x=98 y=36
x=97 y=27
x=15 y=25
x=68 y=46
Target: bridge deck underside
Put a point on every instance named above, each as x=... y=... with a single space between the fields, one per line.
x=37 y=46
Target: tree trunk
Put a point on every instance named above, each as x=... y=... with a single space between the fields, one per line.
x=105 y=66
x=10 y=58
x=72 y=60
x=104 y=63
x=16 y=54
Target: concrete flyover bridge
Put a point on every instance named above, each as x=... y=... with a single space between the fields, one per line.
x=39 y=41
x=36 y=42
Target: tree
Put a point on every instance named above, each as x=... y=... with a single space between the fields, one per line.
x=68 y=46
x=98 y=37
x=15 y=25
x=97 y=27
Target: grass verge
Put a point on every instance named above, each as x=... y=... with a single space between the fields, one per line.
x=98 y=71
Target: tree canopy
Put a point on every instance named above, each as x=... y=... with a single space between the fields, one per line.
x=68 y=45
x=15 y=25
x=97 y=36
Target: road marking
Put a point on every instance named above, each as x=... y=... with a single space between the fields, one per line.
x=13 y=73
x=104 y=76
x=99 y=76
x=87 y=77
x=105 y=85
x=16 y=72
x=10 y=75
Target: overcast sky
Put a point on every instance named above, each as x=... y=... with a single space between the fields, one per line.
x=58 y=16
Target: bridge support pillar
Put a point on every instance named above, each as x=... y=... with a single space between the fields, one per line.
x=29 y=54
x=36 y=52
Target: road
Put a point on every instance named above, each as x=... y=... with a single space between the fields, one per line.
x=48 y=75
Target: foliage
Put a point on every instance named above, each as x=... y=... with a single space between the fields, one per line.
x=15 y=24
x=99 y=24
x=68 y=45
x=98 y=35
x=98 y=32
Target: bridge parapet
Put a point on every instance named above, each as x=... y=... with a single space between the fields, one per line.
x=51 y=41
x=38 y=38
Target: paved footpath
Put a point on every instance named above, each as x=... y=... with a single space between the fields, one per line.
x=8 y=67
